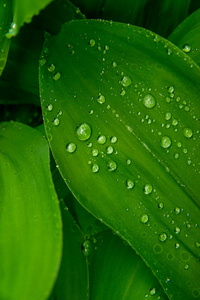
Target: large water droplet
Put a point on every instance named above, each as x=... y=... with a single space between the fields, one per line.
x=166 y=142
x=71 y=147
x=130 y=184
x=83 y=131
x=51 y=68
x=144 y=218
x=56 y=122
x=126 y=81
x=49 y=107
x=152 y=291
x=149 y=101
x=186 y=48
x=101 y=98
x=187 y=132
x=112 y=166
x=148 y=189
x=162 y=237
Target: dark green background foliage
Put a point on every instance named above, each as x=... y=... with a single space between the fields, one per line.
x=99 y=150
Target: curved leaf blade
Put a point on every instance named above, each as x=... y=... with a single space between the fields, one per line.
x=30 y=222
x=187 y=36
x=126 y=82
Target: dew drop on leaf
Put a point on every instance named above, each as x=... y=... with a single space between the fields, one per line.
x=166 y=142
x=186 y=48
x=83 y=131
x=109 y=150
x=144 y=218
x=91 y=42
x=130 y=184
x=177 y=230
x=113 y=140
x=95 y=168
x=95 y=152
x=126 y=81
x=112 y=165
x=148 y=189
x=101 y=139
x=56 y=76
x=149 y=101
x=187 y=132
x=51 y=68
x=71 y=147
x=87 y=248
x=162 y=237
x=49 y=107
x=56 y=122
x=177 y=210
x=101 y=99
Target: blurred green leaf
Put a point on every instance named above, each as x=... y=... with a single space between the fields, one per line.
x=159 y=16
x=72 y=281
x=30 y=221
x=117 y=272
x=187 y=36
x=121 y=111
x=5 y=19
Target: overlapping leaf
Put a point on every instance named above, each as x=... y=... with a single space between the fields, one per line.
x=30 y=222
x=121 y=109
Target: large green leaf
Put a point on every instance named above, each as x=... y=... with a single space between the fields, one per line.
x=121 y=110
x=72 y=281
x=187 y=36
x=118 y=273
x=151 y=14
x=30 y=221
x=5 y=18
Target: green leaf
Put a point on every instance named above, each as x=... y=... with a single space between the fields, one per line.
x=117 y=272
x=122 y=117
x=187 y=36
x=159 y=16
x=5 y=19
x=23 y=11
x=72 y=281
x=30 y=221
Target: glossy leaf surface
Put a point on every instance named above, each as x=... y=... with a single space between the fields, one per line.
x=187 y=36
x=30 y=222
x=72 y=281
x=121 y=110
x=117 y=272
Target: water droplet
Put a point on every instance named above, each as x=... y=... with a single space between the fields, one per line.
x=95 y=152
x=175 y=122
x=56 y=122
x=176 y=155
x=161 y=205
x=112 y=166
x=197 y=245
x=126 y=81
x=95 y=168
x=149 y=101
x=162 y=237
x=168 y=116
x=177 y=245
x=113 y=139
x=109 y=150
x=101 y=139
x=171 y=89
x=128 y=162
x=89 y=145
x=177 y=230
x=148 y=189
x=187 y=132
x=152 y=291
x=83 y=131
x=169 y=51
x=56 y=76
x=101 y=98
x=12 y=30
x=123 y=92
x=51 y=68
x=87 y=248
x=106 y=47
x=130 y=184
x=71 y=147
x=114 y=64
x=144 y=218
x=60 y=112
x=42 y=62
x=177 y=210
x=49 y=107
x=186 y=48
x=166 y=142
x=91 y=42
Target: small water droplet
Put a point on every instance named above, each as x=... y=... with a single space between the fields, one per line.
x=101 y=139
x=152 y=291
x=109 y=150
x=149 y=101
x=95 y=168
x=112 y=166
x=171 y=89
x=163 y=237
x=49 y=107
x=130 y=184
x=71 y=147
x=101 y=98
x=51 y=68
x=106 y=47
x=126 y=81
x=177 y=245
x=177 y=230
x=114 y=64
x=168 y=116
x=91 y=42
x=123 y=92
x=186 y=48
x=166 y=142
x=197 y=245
x=177 y=210
x=161 y=205
x=113 y=139
x=95 y=152
x=176 y=155
x=87 y=248
x=83 y=131
x=186 y=267
x=42 y=62
x=56 y=76
x=144 y=218
x=169 y=51
x=187 y=132
x=128 y=162
x=148 y=189
x=56 y=122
